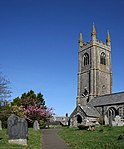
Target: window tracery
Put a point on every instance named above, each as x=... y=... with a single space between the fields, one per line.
x=86 y=59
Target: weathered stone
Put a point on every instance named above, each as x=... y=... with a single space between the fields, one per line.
x=17 y=130
x=18 y=141
x=66 y=119
x=114 y=123
x=121 y=137
x=94 y=91
x=91 y=128
x=83 y=127
x=72 y=122
x=118 y=120
x=0 y=125
x=36 y=125
x=94 y=71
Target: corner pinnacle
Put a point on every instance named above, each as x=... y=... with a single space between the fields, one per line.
x=81 y=40
x=93 y=34
x=108 y=38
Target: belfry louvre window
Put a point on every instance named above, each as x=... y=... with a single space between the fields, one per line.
x=103 y=58
x=86 y=59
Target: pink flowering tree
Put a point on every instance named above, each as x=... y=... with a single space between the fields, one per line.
x=32 y=107
x=33 y=113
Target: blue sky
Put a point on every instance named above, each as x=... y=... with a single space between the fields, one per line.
x=39 y=45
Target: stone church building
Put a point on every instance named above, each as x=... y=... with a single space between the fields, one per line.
x=95 y=100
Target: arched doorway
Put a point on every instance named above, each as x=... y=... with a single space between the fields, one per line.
x=79 y=119
x=111 y=115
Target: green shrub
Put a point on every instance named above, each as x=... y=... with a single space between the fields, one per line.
x=42 y=124
x=5 y=112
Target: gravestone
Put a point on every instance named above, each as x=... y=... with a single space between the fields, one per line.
x=66 y=119
x=114 y=123
x=0 y=125
x=119 y=121
x=36 y=125
x=72 y=122
x=17 y=130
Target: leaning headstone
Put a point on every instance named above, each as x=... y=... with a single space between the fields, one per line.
x=0 y=125
x=17 y=130
x=36 y=125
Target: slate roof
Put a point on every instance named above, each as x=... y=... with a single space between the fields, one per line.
x=87 y=110
x=90 y=111
x=110 y=99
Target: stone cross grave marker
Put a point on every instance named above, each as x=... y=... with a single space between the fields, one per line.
x=17 y=130
x=36 y=125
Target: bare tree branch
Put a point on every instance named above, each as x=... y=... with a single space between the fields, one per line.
x=4 y=88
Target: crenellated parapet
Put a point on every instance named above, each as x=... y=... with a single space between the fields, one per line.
x=94 y=41
x=97 y=43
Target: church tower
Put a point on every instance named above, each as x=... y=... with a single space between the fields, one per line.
x=94 y=68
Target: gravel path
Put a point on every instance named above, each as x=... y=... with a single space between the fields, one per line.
x=50 y=140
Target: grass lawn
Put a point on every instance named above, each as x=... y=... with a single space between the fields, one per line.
x=34 y=140
x=101 y=138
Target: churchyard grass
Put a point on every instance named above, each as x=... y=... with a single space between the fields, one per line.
x=34 y=140
x=102 y=138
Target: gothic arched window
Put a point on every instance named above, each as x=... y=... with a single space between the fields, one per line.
x=103 y=58
x=120 y=111
x=86 y=59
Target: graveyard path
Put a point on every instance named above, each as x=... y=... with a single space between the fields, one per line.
x=51 y=140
